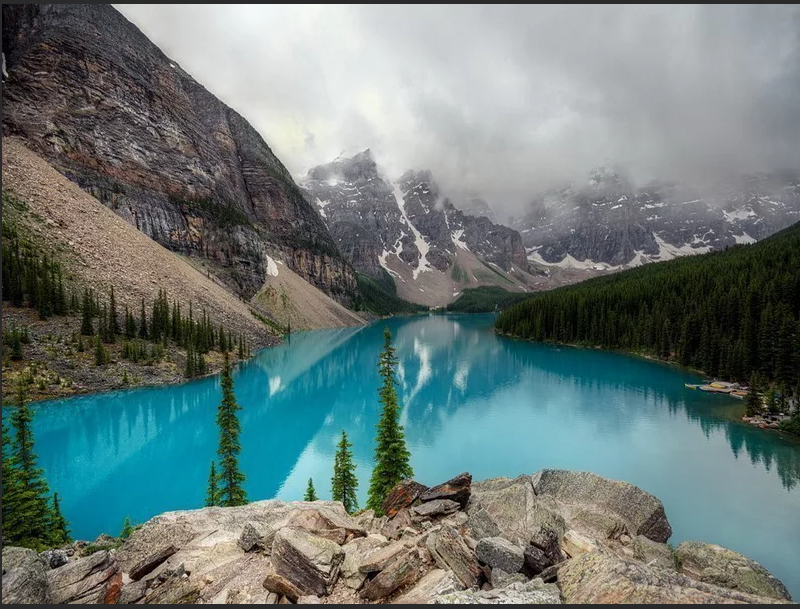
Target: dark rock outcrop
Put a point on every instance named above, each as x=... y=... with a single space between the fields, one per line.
x=309 y=562
x=107 y=108
x=499 y=553
x=403 y=495
x=457 y=489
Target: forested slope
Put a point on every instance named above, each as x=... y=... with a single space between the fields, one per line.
x=729 y=313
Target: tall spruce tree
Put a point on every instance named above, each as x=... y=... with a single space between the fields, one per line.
x=231 y=480
x=311 y=492
x=391 y=454
x=753 y=406
x=127 y=528
x=113 y=320
x=59 y=529
x=212 y=493
x=344 y=482
x=32 y=518
x=11 y=491
x=142 y=323
x=86 y=315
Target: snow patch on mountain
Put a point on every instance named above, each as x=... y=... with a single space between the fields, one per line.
x=458 y=239
x=272 y=268
x=422 y=245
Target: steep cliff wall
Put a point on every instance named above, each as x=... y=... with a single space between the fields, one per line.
x=108 y=109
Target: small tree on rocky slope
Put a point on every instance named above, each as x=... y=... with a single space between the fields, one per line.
x=212 y=494
x=311 y=492
x=391 y=454
x=344 y=482
x=59 y=529
x=231 y=480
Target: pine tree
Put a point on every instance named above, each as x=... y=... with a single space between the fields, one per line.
x=753 y=397
x=11 y=491
x=113 y=320
x=391 y=454
x=344 y=482
x=86 y=315
x=212 y=494
x=223 y=343
x=30 y=524
x=142 y=323
x=59 y=529
x=130 y=324
x=231 y=480
x=241 y=347
x=100 y=352
x=127 y=528
x=771 y=400
x=311 y=493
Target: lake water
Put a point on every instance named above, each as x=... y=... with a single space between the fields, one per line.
x=472 y=402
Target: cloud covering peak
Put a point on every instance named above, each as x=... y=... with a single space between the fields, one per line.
x=503 y=100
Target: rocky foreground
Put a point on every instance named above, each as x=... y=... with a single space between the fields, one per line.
x=554 y=537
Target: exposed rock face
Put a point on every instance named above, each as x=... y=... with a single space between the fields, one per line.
x=437 y=507
x=405 y=230
x=642 y=513
x=197 y=557
x=24 y=577
x=599 y=578
x=609 y=222
x=93 y=579
x=534 y=592
x=192 y=173
x=309 y=562
x=720 y=566
x=476 y=206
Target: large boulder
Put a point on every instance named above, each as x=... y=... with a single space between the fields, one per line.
x=499 y=553
x=24 y=577
x=720 y=566
x=510 y=507
x=450 y=552
x=309 y=562
x=356 y=553
x=338 y=526
x=282 y=587
x=457 y=489
x=401 y=572
x=150 y=561
x=602 y=578
x=534 y=592
x=435 y=583
x=55 y=558
x=93 y=579
x=403 y=495
x=641 y=512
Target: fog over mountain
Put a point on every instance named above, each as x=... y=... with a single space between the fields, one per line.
x=504 y=101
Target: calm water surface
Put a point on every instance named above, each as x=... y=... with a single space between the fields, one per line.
x=472 y=401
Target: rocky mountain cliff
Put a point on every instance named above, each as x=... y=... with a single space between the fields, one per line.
x=609 y=223
x=89 y=92
x=551 y=538
x=409 y=230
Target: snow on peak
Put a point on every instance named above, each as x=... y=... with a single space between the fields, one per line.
x=422 y=245
x=321 y=204
x=457 y=237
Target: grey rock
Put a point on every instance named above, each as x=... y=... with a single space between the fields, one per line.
x=92 y=579
x=55 y=558
x=602 y=578
x=479 y=524
x=652 y=553
x=514 y=508
x=433 y=509
x=450 y=552
x=499 y=553
x=309 y=562
x=281 y=586
x=536 y=560
x=720 y=566
x=308 y=600
x=256 y=536
x=642 y=513
x=501 y=579
x=132 y=592
x=149 y=562
x=534 y=592
x=433 y=584
x=356 y=553
x=380 y=558
x=545 y=539
x=24 y=577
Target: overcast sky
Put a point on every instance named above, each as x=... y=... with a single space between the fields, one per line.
x=503 y=100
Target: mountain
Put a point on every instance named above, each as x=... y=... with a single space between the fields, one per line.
x=91 y=94
x=730 y=314
x=610 y=224
x=407 y=231
x=475 y=206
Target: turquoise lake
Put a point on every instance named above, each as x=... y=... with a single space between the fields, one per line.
x=472 y=402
